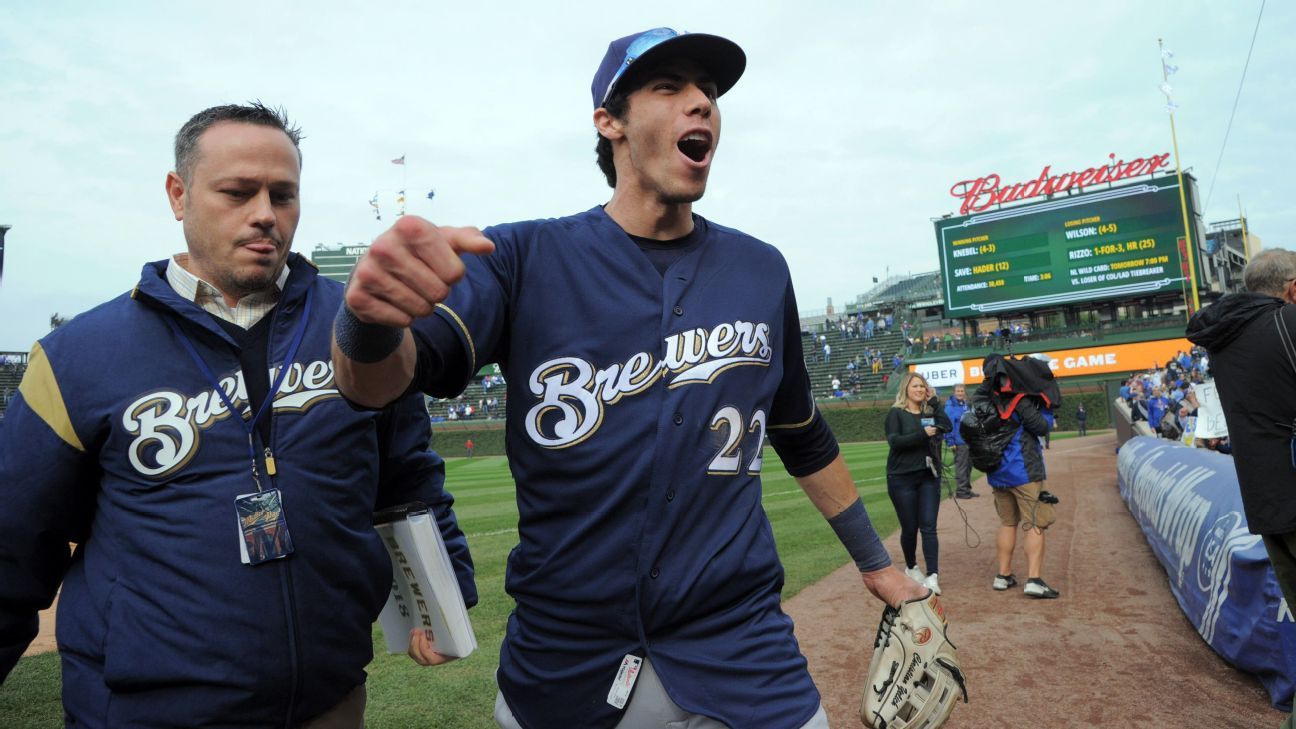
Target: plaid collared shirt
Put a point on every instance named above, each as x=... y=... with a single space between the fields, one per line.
x=248 y=311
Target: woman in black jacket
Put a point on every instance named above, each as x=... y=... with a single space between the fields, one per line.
x=914 y=426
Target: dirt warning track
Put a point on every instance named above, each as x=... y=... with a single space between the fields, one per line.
x=1113 y=651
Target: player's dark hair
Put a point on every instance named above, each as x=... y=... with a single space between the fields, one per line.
x=255 y=112
x=618 y=105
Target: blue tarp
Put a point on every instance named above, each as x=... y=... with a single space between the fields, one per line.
x=1188 y=504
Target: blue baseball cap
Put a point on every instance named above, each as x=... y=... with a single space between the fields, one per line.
x=721 y=57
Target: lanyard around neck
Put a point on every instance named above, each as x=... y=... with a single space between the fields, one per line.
x=249 y=426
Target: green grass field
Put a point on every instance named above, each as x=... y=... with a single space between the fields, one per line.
x=461 y=694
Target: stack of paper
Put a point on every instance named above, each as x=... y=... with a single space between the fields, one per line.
x=425 y=593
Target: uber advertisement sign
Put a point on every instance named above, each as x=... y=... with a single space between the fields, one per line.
x=1097 y=360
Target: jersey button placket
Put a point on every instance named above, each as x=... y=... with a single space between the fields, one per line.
x=654 y=573
x=678 y=310
x=678 y=419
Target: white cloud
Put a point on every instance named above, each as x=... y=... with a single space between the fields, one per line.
x=840 y=143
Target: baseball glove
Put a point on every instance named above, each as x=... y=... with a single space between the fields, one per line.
x=914 y=678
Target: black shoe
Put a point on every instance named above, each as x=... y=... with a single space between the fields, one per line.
x=1003 y=582
x=1036 y=588
x=963 y=495
x=973 y=494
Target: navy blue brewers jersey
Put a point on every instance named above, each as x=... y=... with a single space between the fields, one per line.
x=637 y=405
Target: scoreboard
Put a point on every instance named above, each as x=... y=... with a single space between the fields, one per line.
x=336 y=263
x=1116 y=243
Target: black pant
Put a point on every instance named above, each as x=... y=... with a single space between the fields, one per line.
x=916 y=497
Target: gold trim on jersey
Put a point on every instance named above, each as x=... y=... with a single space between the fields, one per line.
x=472 y=348
x=792 y=426
x=40 y=389
x=712 y=374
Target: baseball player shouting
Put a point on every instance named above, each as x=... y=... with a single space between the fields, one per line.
x=648 y=352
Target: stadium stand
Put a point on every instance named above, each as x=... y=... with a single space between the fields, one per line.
x=476 y=396
x=846 y=350
x=1059 y=337
x=920 y=289
x=12 y=367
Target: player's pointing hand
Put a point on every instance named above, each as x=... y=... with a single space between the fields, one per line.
x=409 y=269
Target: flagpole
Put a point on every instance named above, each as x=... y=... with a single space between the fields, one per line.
x=1246 y=244
x=1183 y=200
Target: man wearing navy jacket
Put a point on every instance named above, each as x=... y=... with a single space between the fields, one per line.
x=189 y=438
x=955 y=406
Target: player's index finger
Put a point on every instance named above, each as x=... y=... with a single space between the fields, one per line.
x=412 y=229
x=468 y=240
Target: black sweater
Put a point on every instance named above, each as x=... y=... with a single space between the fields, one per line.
x=910 y=445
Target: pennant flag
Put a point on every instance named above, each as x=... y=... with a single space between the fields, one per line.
x=1167 y=53
x=373 y=202
x=399 y=160
x=431 y=194
x=1171 y=107
x=1166 y=89
x=1170 y=70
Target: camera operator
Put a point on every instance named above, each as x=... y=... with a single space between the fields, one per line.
x=1018 y=484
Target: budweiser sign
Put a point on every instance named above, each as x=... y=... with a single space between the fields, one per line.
x=984 y=192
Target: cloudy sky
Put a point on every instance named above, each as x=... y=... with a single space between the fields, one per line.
x=839 y=145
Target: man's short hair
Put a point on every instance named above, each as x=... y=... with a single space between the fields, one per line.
x=1269 y=272
x=255 y=112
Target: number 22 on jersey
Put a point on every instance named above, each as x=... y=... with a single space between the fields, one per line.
x=728 y=460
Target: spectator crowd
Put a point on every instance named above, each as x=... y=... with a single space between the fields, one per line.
x=1165 y=397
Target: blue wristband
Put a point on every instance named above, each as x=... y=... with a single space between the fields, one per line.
x=363 y=342
x=859 y=537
